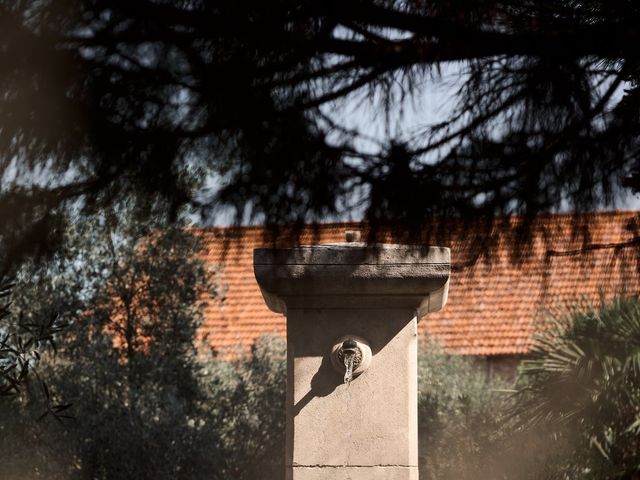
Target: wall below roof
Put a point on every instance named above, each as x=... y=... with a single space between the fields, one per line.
x=503 y=367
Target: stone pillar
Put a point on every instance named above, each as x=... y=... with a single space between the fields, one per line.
x=365 y=430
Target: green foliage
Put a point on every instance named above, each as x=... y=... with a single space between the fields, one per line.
x=460 y=417
x=128 y=363
x=246 y=402
x=582 y=387
x=148 y=403
x=233 y=427
x=23 y=339
x=140 y=401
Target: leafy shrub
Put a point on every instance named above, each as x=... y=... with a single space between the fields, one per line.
x=460 y=417
x=581 y=390
x=246 y=407
x=233 y=428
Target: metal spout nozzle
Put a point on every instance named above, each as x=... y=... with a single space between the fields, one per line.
x=349 y=346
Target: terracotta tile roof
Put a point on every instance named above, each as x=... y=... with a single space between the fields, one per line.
x=500 y=286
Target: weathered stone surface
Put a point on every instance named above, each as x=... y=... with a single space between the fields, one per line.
x=353 y=254
x=322 y=276
x=372 y=421
x=368 y=429
x=353 y=473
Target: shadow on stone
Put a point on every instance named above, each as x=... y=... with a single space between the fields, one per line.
x=323 y=383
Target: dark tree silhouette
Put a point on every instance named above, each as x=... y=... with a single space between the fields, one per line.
x=102 y=98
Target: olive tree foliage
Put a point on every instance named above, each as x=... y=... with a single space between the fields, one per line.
x=126 y=366
x=31 y=320
x=22 y=342
x=131 y=392
x=246 y=408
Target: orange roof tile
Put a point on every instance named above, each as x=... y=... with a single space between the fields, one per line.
x=499 y=285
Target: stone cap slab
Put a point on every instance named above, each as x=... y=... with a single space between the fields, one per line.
x=354 y=275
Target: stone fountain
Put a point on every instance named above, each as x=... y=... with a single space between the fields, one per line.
x=352 y=313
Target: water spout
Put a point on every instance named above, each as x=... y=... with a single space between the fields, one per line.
x=348 y=365
x=350 y=356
